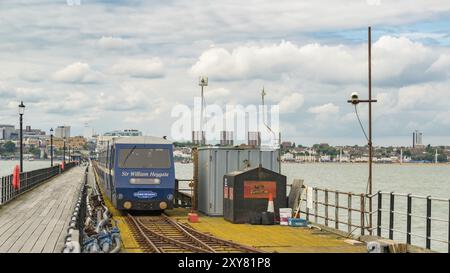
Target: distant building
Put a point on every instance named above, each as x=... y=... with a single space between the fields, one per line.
x=198 y=137
x=28 y=132
x=226 y=138
x=417 y=139
x=286 y=145
x=75 y=143
x=62 y=132
x=126 y=132
x=88 y=132
x=7 y=132
x=254 y=138
x=288 y=157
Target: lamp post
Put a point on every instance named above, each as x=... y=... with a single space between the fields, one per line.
x=51 y=147
x=203 y=81
x=64 y=151
x=69 y=152
x=21 y=112
x=355 y=101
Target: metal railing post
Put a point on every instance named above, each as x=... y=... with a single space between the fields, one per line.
x=362 y=209
x=408 y=219
x=391 y=216
x=336 y=210
x=316 y=206
x=448 y=224
x=380 y=206
x=326 y=207
x=428 y=231
x=349 y=208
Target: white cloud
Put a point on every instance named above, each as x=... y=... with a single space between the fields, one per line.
x=328 y=108
x=325 y=111
x=77 y=73
x=114 y=43
x=396 y=61
x=291 y=103
x=146 y=68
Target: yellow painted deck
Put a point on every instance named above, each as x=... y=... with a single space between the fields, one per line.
x=273 y=238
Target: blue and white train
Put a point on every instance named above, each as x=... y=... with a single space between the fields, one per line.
x=138 y=173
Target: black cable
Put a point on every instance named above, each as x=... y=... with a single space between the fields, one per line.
x=360 y=123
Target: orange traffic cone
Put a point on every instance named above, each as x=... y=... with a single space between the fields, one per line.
x=270 y=207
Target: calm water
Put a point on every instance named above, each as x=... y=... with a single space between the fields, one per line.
x=7 y=166
x=419 y=179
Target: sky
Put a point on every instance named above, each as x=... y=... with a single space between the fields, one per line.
x=126 y=64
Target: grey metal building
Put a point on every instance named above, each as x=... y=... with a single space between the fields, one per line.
x=215 y=162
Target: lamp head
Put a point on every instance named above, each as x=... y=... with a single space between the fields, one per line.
x=355 y=98
x=21 y=108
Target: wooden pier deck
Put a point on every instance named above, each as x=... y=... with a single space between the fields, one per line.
x=37 y=221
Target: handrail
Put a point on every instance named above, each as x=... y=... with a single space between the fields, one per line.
x=28 y=180
x=321 y=206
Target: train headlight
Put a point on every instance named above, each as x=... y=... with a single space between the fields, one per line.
x=163 y=205
x=127 y=205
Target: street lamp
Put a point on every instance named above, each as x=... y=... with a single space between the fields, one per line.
x=64 y=152
x=51 y=147
x=21 y=112
x=203 y=81
x=355 y=101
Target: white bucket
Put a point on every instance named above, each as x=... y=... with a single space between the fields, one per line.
x=285 y=214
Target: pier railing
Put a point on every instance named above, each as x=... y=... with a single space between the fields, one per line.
x=345 y=211
x=28 y=180
x=413 y=219
x=422 y=221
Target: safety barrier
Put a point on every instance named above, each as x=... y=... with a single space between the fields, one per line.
x=392 y=218
x=28 y=180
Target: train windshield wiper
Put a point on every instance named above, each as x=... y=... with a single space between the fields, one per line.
x=128 y=155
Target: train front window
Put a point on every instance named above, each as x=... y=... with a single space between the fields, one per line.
x=144 y=158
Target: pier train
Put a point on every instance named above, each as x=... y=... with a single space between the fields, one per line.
x=137 y=173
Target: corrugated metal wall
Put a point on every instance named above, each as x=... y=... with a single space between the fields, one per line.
x=215 y=162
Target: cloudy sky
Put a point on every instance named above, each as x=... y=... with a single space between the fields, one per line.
x=125 y=64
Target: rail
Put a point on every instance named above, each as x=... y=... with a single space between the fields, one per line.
x=28 y=180
x=395 y=219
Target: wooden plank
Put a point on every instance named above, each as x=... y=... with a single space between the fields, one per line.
x=62 y=212
x=35 y=221
x=39 y=237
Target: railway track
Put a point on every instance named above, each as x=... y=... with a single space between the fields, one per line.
x=160 y=234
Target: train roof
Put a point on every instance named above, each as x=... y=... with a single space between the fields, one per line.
x=141 y=140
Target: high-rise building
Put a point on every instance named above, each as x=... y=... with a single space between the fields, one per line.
x=62 y=132
x=417 y=139
x=6 y=131
x=226 y=138
x=88 y=132
x=198 y=137
x=254 y=138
